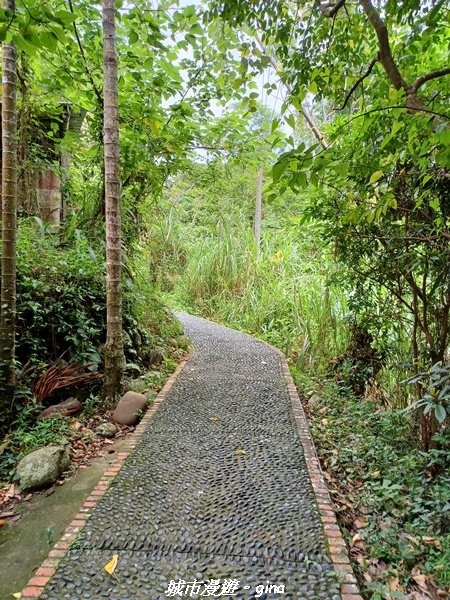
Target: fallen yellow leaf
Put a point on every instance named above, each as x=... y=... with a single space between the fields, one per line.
x=361 y=522
x=213 y=419
x=394 y=584
x=111 y=566
x=17 y=595
x=434 y=541
x=240 y=452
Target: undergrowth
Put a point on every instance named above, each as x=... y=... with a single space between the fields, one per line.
x=61 y=297
x=27 y=434
x=393 y=499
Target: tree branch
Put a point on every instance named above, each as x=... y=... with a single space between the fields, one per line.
x=427 y=77
x=305 y=112
x=85 y=62
x=385 y=53
x=221 y=148
x=360 y=80
x=329 y=9
x=405 y=106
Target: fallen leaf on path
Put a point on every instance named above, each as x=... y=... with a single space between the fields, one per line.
x=434 y=541
x=5 y=515
x=394 y=585
x=111 y=566
x=240 y=452
x=213 y=419
x=360 y=522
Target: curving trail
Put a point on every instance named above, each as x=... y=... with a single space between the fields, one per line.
x=216 y=489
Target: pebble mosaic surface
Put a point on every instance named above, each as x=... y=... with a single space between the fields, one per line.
x=217 y=488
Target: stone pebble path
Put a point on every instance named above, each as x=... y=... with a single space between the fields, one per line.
x=217 y=488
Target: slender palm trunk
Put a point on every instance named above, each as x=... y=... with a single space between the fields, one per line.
x=258 y=209
x=9 y=215
x=114 y=357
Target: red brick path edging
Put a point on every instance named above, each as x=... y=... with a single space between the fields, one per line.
x=43 y=574
x=338 y=549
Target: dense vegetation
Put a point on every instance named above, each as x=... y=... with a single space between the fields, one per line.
x=344 y=109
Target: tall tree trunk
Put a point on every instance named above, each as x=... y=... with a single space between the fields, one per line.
x=9 y=215
x=114 y=357
x=258 y=209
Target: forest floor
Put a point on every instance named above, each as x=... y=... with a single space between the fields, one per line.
x=391 y=498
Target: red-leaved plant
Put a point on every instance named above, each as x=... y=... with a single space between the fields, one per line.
x=60 y=375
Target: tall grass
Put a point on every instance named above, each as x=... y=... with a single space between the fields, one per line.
x=201 y=254
x=283 y=296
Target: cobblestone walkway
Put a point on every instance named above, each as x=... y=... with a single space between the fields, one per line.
x=217 y=488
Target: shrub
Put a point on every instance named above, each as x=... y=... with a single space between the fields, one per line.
x=60 y=298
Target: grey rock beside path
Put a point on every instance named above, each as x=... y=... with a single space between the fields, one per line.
x=217 y=488
x=42 y=467
x=106 y=430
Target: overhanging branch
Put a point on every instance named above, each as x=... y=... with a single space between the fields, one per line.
x=87 y=70
x=359 y=81
x=329 y=9
x=305 y=112
x=427 y=77
x=385 y=53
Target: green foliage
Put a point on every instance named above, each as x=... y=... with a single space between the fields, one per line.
x=26 y=435
x=436 y=391
x=93 y=405
x=35 y=26
x=160 y=328
x=173 y=66
x=60 y=294
x=209 y=265
x=61 y=308
x=374 y=462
